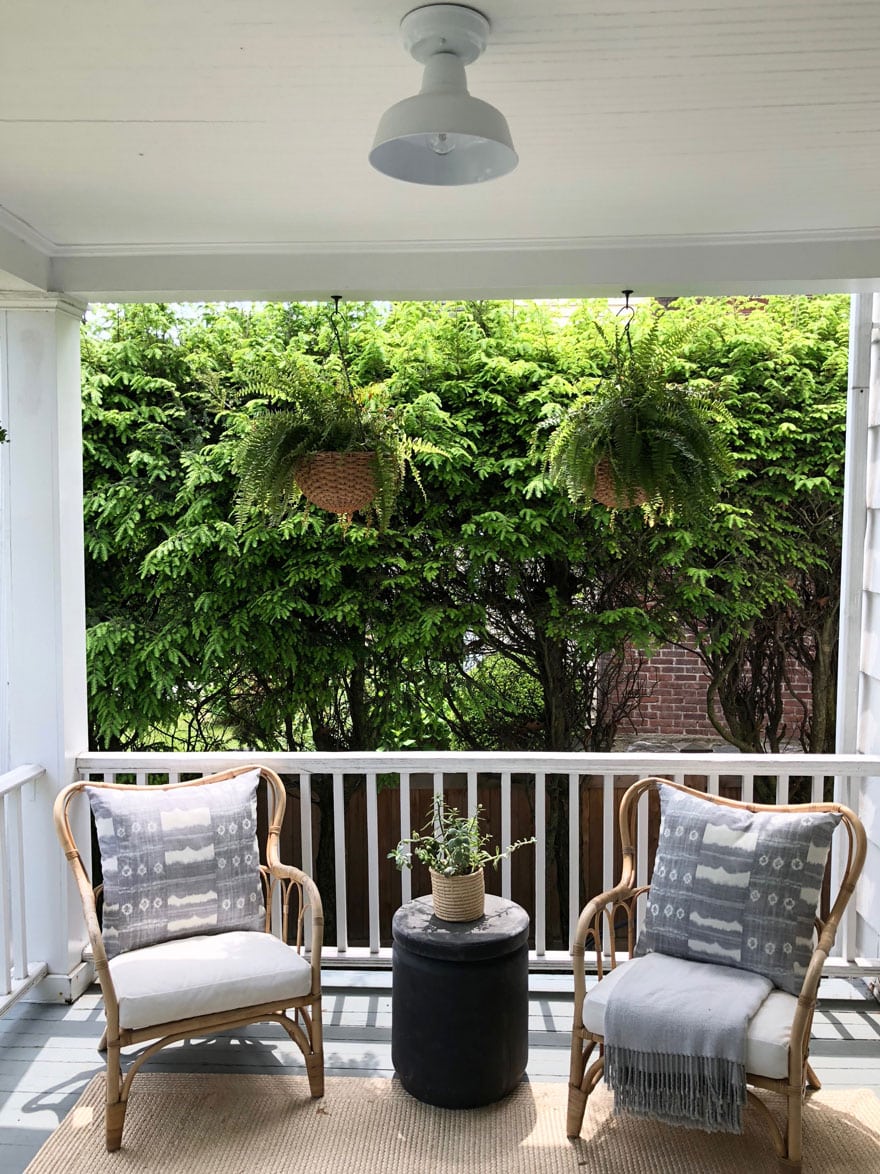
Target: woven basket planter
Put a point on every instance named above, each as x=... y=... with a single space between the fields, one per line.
x=341 y=482
x=458 y=898
x=603 y=490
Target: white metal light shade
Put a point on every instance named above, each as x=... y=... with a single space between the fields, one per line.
x=442 y=135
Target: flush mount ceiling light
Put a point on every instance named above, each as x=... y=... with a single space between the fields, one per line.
x=443 y=135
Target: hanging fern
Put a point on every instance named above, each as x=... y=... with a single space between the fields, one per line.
x=663 y=441
x=308 y=409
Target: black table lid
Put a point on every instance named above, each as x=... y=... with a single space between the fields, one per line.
x=503 y=928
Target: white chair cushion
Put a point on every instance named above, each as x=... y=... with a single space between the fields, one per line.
x=202 y=975
x=769 y=1030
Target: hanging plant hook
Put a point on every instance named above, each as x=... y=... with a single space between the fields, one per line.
x=335 y=315
x=626 y=308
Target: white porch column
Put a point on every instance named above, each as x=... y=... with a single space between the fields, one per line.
x=43 y=704
x=859 y=681
x=852 y=576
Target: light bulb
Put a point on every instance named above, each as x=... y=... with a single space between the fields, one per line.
x=441 y=144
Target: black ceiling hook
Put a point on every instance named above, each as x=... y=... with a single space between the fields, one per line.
x=334 y=315
x=627 y=309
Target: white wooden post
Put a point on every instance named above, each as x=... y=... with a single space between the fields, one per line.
x=858 y=690
x=855 y=513
x=43 y=704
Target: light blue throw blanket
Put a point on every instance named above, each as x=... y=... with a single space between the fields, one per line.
x=675 y=1041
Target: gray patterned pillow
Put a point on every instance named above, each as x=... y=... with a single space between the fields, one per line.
x=178 y=863
x=737 y=888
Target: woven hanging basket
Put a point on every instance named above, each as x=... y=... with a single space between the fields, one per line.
x=458 y=898
x=604 y=492
x=341 y=482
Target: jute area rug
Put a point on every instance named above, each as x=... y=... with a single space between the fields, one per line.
x=239 y=1124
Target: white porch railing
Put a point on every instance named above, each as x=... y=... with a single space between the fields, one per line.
x=17 y=973
x=588 y=781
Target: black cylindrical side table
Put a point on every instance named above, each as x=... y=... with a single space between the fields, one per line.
x=460 y=1003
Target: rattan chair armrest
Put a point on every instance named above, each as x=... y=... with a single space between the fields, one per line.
x=292 y=873
x=311 y=907
x=596 y=906
x=809 y=991
x=588 y=925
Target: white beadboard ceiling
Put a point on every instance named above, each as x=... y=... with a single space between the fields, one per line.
x=220 y=146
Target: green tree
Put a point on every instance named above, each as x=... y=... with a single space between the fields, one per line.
x=142 y=420
x=757 y=584
x=556 y=592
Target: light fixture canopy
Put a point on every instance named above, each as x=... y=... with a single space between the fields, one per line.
x=443 y=136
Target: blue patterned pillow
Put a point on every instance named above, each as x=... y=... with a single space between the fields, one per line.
x=178 y=863
x=736 y=887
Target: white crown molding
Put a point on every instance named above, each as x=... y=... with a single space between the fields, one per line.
x=27 y=233
x=673 y=266
x=532 y=244
x=43 y=302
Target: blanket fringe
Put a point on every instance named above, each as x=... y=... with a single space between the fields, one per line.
x=703 y=1092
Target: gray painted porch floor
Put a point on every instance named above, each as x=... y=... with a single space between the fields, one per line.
x=49 y=1052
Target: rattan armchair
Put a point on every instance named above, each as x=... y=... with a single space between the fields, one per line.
x=784 y=1065
x=145 y=989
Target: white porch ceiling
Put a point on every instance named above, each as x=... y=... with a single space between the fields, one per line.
x=219 y=148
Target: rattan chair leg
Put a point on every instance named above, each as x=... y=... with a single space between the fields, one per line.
x=315 y=1062
x=102 y=1045
x=114 y=1122
x=315 y=1073
x=579 y=1088
x=793 y=1132
x=116 y=1104
x=813 y=1081
x=577 y=1106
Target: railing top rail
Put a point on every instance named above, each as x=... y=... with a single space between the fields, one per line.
x=489 y=762
x=13 y=780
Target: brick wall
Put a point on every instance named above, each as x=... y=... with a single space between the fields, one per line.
x=676 y=707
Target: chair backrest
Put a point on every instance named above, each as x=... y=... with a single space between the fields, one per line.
x=841 y=879
x=90 y=895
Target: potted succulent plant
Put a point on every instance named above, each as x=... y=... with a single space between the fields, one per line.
x=455 y=851
x=343 y=449
x=637 y=438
